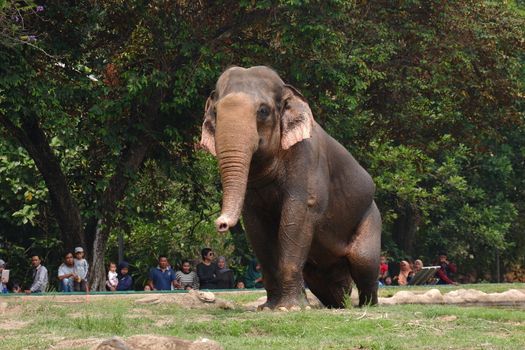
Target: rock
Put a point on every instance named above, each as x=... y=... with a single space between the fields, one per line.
x=509 y=296
x=198 y=299
x=194 y=299
x=404 y=297
x=150 y=299
x=313 y=302
x=153 y=342
x=114 y=343
x=460 y=296
x=433 y=296
x=206 y=297
x=465 y=296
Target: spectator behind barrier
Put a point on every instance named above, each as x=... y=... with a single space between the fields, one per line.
x=82 y=270
x=162 y=277
x=125 y=282
x=254 y=278
x=40 y=278
x=67 y=273
x=404 y=273
x=186 y=278
x=3 y=282
x=383 y=269
x=112 y=281
x=224 y=278
x=207 y=270
x=445 y=273
x=418 y=266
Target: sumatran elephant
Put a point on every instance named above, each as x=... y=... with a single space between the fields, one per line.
x=308 y=206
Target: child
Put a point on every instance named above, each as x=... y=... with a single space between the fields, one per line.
x=82 y=268
x=383 y=269
x=112 y=281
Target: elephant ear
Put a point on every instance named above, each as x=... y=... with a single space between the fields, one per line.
x=208 y=127
x=296 y=118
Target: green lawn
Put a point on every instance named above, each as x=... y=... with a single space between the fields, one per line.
x=77 y=323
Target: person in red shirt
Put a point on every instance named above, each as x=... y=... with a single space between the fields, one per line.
x=383 y=269
x=444 y=274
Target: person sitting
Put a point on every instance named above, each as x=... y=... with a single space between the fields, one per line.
x=125 y=282
x=40 y=278
x=224 y=278
x=254 y=278
x=82 y=269
x=404 y=273
x=388 y=281
x=383 y=269
x=162 y=277
x=186 y=278
x=240 y=284
x=67 y=273
x=444 y=274
x=112 y=282
x=17 y=287
x=418 y=266
x=207 y=270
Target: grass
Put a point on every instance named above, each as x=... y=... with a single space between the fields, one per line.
x=40 y=323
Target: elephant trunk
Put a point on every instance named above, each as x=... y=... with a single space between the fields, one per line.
x=236 y=140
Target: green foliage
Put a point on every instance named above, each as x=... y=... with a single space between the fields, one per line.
x=427 y=95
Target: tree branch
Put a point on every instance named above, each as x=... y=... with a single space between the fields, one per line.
x=33 y=139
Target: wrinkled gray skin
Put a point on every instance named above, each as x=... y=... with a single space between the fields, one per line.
x=307 y=204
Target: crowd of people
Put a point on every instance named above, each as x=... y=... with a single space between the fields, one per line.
x=209 y=273
x=392 y=273
x=72 y=275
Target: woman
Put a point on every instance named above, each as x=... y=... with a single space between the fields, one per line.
x=418 y=266
x=224 y=278
x=404 y=273
x=254 y=277
x=186 y=278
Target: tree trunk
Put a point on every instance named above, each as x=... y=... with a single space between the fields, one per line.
x=131 y=160
x=66 y=212
x=405 y=229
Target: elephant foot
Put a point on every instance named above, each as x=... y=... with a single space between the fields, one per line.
x=285 y=304
x=368 y=298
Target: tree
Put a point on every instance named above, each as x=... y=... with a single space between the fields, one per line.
x=428 y=95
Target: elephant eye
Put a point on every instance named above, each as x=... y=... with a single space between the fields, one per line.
x=263 y=112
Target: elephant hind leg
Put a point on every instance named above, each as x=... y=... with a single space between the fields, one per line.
x=332 y=285
x=364 y=252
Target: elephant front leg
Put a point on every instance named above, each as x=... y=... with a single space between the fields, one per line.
x=294 y=241
x=262 y=233
x=281 y=244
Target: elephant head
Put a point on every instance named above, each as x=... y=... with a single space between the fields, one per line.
x=252 y=115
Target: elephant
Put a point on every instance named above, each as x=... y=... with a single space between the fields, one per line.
x=308 y=206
